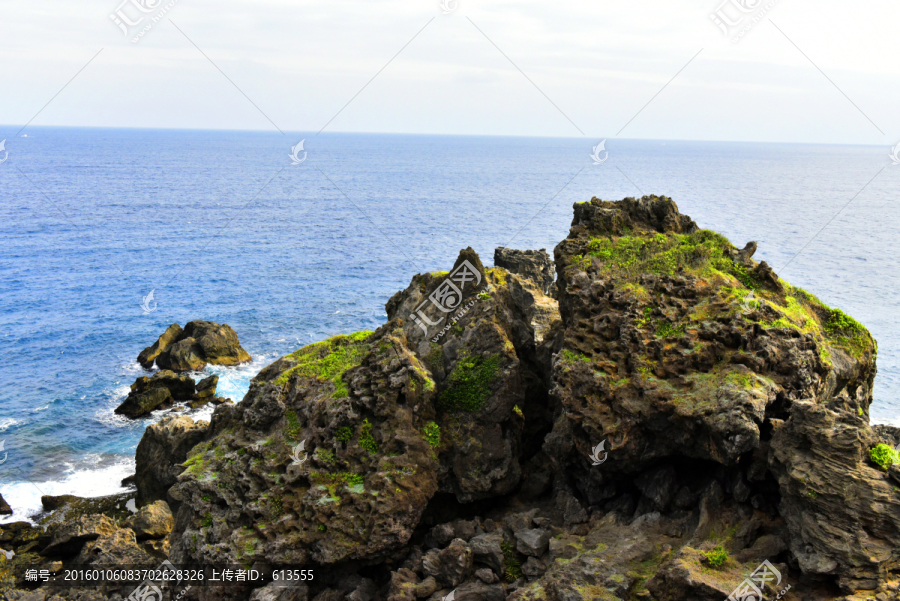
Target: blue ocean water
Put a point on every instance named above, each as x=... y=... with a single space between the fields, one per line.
x=221 y=226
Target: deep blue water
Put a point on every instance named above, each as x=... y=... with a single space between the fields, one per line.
x=222 y=227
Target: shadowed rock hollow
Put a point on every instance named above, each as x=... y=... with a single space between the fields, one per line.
x=451 y=449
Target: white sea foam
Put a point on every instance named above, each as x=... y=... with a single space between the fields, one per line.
x=8 y=422
x=97 y=476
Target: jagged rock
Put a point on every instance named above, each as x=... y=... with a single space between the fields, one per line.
x=573 y=512
x=659 y=485
x=481 y=354
x=116 y=548
x=69 y=538
x=487 y=576
x=450 y=566
x=426 y=588
x=403 y=585
x=153 y=520
x=486 y=550
x=200 y=342
x=206 y=388
x=149 y=354
x=535 y=265
x=162 y=450
x=5 y=509
x=532 y=542
x=533 y=568
x=359 y=405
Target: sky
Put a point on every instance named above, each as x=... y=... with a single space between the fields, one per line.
x=808 y=72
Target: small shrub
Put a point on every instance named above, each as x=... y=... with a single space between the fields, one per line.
x=884 y=456
x=207 y=520
x=366 y=440
x=293 y=428
x=717 y=557
x=512 y=567
x=344 y=434
x=432 y=434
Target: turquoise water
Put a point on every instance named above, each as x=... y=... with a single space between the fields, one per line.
x=221 y=226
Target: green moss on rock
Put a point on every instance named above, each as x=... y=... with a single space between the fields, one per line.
x=469 y=384
x=328 y=360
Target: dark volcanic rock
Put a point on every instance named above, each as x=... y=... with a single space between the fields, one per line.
x=535 y=265
x=159 y=456
x=157 y=391
x=5 y=509
x=51 y=503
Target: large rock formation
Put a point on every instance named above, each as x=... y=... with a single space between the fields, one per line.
x=191 y=349
x=683 y=423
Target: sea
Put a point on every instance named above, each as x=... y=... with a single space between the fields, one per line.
x=290 y=248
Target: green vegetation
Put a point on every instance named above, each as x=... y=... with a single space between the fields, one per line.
x=717 y=557
x=512 y=567
x=325 y=455
x=644 y=320
x=884 y=456
x=293 y=429
x=484 y=295
x=440 y=274
x=322 y=528
x=344 y=434
x=498 y=274
x=518 y=411
x=572 y=357
x=700 y=252
x=276 y=506
x=432 y=434
x=366 y=440
x=470 y=383
x=328 y=360
x=664 y=329
x=207 y=520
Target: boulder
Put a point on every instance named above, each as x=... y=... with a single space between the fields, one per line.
x=153 y=520
x=533 y=541
x=149 y=354
x=450 y=566
x=206 y=388
x=163 y=448
x=486 y=550
x=190 y=349
x=140 y=404
x=52 y=503
x=184 y=355
x=5 y=509
x=69 y=538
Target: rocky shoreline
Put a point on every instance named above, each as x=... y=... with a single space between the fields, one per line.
x=666 y=420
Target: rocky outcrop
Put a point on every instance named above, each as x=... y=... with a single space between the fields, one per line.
x=156 y=392
x=162 y=450
x=679 y=421
x=149 y=354
x=5 y=509
x=191 y=349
